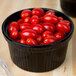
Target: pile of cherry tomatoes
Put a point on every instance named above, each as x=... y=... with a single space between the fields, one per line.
x=37 y=27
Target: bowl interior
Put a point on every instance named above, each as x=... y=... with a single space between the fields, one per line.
x=15 y=16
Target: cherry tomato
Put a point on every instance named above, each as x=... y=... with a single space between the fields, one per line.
x=25 y=26
x=14 y=34
x=49 y=40
x=47 y=34
x=13 y=26
x=50 y=18
x=27 y=20
x=39 y=38
x=28 y=33
x=22 y=41
x=34 y=19
x=63 y=27
x=38 y=28
x=60 y=19
x=26 y=13
x=31 y=41
x=20 y=21
x=66 y=22
x=50 y=12
x=38 y=11
x=49 y=27
x=59 y=35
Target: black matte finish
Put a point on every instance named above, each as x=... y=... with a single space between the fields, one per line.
x=38 y=58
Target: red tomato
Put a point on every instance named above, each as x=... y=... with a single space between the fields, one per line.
x=14 y=34
x=26 y=13
x=38 y=28
x=22 y=41
x=49 y=40
x=47 y=34
x=50 y=12
x=63 y=27
x=28 y=33
x=25 y=26
x=31 y=41
x=60 y=19
x=59 y=35
x=50 y=18
x=34 y=19
x=38 y=11
x=27 y=20
x=20 y=21
x=13 y=26
x=49 y=27
x=39 y=38
x=66 y=22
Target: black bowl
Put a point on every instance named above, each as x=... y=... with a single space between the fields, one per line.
x=38 y=58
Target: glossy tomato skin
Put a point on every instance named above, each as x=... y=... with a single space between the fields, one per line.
x=25 y=26
x=14 y=34
x=60 y=19
x=66 y=22
x=59 y=35
x=62 y=27
x=30 y=41
x=20 y=21
x=22 y=41
x=27 y=20
x=38 y=28
x=34 y=19
x=50 y=12
x=13 y=26
x=28 y=33
x=26 y=13
x=49 y=27
x=38 y=11
x=49 y=40
x=47 y=34
x=39 y=38
x=50 y=18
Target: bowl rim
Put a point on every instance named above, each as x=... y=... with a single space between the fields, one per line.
x=38 y=46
